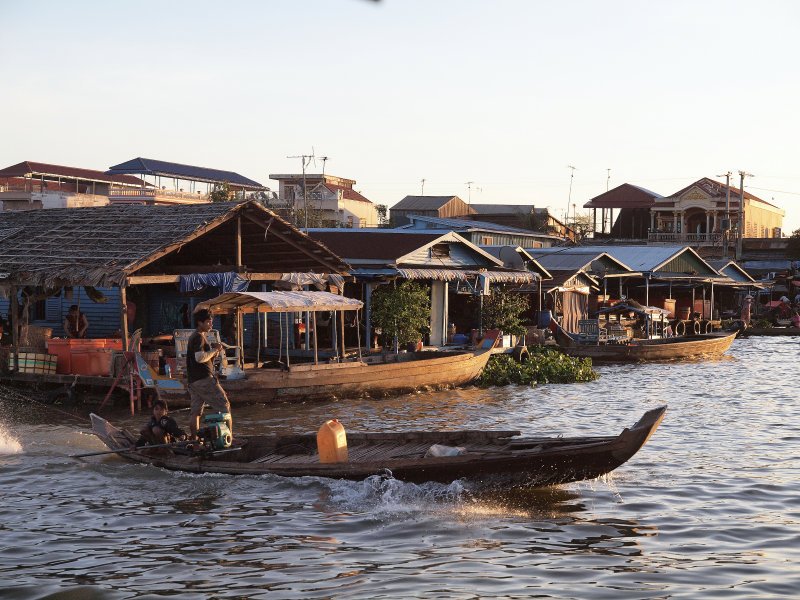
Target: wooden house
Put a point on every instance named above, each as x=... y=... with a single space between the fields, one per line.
x=450 y=265
x=145 y=256
x=430 y=206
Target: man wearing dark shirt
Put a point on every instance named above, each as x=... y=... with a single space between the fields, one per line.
x=203 y=385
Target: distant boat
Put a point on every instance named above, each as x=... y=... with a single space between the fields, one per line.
x=490 y=458
x=631 y=350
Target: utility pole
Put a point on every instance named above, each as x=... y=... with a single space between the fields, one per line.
x=726 y=222
x=608 y=178
x=422 y=188
x=569 y=196
x=742 y=175
x=305 y=160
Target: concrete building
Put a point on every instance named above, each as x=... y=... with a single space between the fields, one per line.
x=33 y=185
x=324 y=201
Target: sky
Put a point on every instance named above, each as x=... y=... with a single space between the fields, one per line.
x=506 y=94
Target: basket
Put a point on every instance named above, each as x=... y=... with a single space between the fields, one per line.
x=33 y=362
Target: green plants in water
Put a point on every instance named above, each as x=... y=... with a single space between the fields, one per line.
x=543 y=366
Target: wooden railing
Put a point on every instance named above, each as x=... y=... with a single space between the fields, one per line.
x=128 y=192
x=688 y=238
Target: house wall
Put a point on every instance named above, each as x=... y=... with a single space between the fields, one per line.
x=762 y=221
x=104 y=318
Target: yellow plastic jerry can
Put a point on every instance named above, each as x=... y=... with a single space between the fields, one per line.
x=332 y=442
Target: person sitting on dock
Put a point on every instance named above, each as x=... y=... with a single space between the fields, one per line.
x=75 y=323
x=161 y=428
x=204 y=388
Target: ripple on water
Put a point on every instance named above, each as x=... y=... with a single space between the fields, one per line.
x=707 y=508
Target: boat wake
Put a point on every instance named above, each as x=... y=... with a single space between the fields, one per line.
x=8 y=443
x=384 y=496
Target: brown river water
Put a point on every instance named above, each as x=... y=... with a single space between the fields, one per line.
x=709 y=508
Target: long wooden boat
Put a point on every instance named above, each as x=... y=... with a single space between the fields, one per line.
x=490 y=457
x=374 y=376
x=351 y=376
x=711 y=344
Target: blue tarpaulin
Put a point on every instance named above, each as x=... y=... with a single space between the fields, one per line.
x=224 y=282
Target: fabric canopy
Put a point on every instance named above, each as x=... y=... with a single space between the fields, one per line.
x=280 y=302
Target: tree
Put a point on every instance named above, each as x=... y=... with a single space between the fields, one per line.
x=503 y=310
x=382 y=210
x=401 y=312
x=221 y=193
x=582 y=226
x=793 y=246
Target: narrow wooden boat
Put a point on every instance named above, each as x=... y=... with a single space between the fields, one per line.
x=489 y=458
x=350 y=376
x=711 y=344
x=373 y=376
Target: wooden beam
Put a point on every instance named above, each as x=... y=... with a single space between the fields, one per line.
x=156 y=279
x=239 y=242
x=306 y=251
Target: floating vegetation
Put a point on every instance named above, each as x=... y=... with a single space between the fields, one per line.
x=543 y=366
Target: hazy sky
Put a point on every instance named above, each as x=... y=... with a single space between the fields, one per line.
x=506 y=94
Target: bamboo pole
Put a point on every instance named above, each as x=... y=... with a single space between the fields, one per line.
x=123 y=296
x=15 y=327
x=314 y=321
x=341 y=321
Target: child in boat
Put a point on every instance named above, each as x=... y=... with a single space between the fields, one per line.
x=161 y=428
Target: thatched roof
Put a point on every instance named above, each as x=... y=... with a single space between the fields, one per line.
x=101 y=246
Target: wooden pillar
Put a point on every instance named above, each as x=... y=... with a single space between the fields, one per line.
x=15 y=326
x=123 y=300
x=238 y=243
x=314 y=322
x=341 y=322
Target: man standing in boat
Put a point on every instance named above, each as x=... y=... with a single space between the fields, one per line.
x=204 y=388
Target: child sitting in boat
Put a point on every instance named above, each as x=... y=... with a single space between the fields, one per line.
x=161 y=428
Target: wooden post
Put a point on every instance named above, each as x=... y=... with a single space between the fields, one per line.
x=314 y=322
x=238 y=243
x=123 y=297
x=15 y=326
x=341 y=321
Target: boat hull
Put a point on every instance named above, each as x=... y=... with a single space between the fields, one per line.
x=492 y=458
x=403 y=373
x=712 y=344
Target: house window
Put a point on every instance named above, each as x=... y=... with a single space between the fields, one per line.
x=487 y=240
x=362 y=222
x=288 y=192
x=440 y=251
x=39 y=310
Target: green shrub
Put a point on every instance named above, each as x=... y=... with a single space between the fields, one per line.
x=544 y=366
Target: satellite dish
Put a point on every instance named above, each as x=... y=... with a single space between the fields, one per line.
x=598 y=268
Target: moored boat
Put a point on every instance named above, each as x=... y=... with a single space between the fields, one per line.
x=351 y=376
x=484 y=457
x=627 y=350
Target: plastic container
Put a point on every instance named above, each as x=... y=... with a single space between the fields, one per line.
x=100 y=361
x=60 y=347
x=332 y=442
x=81 y=361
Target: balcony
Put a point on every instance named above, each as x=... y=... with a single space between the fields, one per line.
x=130 y=195
x=686 y=239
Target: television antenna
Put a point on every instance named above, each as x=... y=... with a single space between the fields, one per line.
x=569 y=196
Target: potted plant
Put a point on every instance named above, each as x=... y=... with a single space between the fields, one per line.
x=402 y=313
x=503 y=310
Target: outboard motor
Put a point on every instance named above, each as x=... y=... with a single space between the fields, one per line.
x=216 y=431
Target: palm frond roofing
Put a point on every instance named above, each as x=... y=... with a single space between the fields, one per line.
x=149 y=166
x=100 y=246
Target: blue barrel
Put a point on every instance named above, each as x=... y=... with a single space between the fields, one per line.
x=544 y=318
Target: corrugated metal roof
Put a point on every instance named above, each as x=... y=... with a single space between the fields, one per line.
x=423 y=202
x=384 y=244
x=465 y=225
x=503 y=209
x=624 y=196
x=149 y=166
x=574 y=258
x=279 y=302
x=36 y=169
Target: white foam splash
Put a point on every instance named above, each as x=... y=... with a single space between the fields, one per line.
x=8 y=443
x=386 y=496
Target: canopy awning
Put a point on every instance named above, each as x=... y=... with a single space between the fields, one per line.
x=279 y=302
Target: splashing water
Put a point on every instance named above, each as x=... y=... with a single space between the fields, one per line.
x=8 y=443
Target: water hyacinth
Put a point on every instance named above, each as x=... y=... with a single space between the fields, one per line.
x=543 y=366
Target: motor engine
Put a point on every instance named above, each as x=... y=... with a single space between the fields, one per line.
x=216 y=431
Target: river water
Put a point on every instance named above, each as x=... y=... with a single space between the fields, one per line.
x=708 y=508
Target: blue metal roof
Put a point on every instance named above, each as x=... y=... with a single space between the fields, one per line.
x=148 y=166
